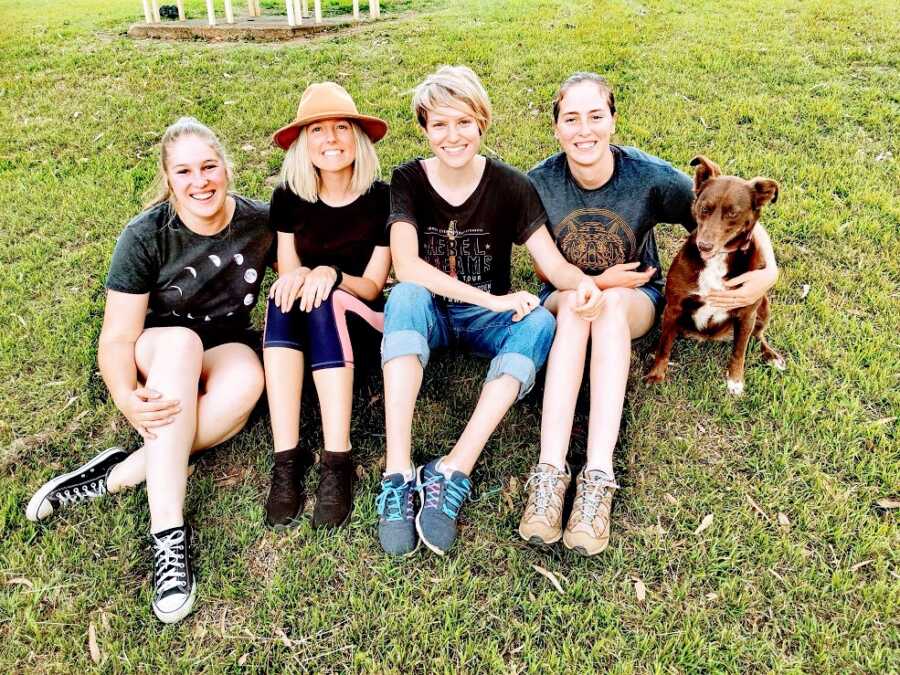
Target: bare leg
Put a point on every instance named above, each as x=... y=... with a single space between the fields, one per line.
x=402 y=381
x=497 y=396
x=284 y=386
x=627 y=314
x=563 y=380
x=171 y=360
x=231 y=382
x=335 y=389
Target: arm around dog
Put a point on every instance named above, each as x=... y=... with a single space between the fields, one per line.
x=748 y=288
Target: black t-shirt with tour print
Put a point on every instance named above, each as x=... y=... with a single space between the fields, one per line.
x=471 y=242
x=596 y=229
x=343 y=236
x=194 y=280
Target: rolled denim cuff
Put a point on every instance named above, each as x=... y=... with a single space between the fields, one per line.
x=404 y=343
x=516 y=365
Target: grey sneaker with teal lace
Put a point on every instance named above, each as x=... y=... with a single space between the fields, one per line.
x=442 y=498
x=396 y=515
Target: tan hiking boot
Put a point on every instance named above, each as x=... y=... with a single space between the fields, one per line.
x=588 y=530
x=542 y=521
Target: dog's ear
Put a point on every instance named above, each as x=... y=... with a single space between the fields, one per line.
x=764 y=190
x=706 y=169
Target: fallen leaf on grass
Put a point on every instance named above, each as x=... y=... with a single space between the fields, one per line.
x=285 y=640
x=712 y=596
x=640 y=590
x=232 y=478
x=888 y=503
x=248 y=147
x=757 y=508
x=20 y=581
x=243 y=660
x=883 y=421
x=670 y=499
x=705 y=523
x=510 y=491
x=860 y=565
x=92 y=644
x=804 y=291
x=360 y=472
x=783 y=520
x=551 y=577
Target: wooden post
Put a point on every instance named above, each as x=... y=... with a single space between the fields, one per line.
x=289 y=6
x=154 y=5
x=253 y=8
x=148 y=17
x=298 y=12
x=374 y=8
x=180 y=4
x=305 y=7
x=318 y=5
x=229 y=12
x=356 y=10
x=211 y=12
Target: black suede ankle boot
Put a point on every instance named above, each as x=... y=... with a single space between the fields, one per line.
x=334 y=496
x=286 y=496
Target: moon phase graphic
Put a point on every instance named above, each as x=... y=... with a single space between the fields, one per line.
x=180 y=292
x=238 y=258
x=250 y=276
x=206 y=318
x=189 y=315
x=192 y=271
x=248 y=299
x=216 y=260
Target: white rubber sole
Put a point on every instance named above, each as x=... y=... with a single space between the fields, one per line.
x=178 y=614
x=32 y=511
x=429 y=545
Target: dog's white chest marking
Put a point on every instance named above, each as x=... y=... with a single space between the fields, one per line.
x=711 y=279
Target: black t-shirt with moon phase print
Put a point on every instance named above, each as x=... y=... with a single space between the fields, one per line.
x=194 y=280
x=596 y=229
x=471 y=242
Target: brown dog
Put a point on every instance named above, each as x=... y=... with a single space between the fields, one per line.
x=726 y=210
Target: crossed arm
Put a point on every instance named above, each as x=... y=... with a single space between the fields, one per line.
x=410 y=267
x=312 y=286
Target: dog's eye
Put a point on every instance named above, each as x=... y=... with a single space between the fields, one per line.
x=705 y=210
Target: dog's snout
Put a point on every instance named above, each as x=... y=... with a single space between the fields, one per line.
x=704 y=246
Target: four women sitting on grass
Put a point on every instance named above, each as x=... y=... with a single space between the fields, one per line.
x=177 y=353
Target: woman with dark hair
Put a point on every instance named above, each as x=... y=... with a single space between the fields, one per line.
x=602 y=202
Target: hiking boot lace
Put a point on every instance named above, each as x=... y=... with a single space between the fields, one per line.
x=594 y=490
x=171 y=568
x=544 y=483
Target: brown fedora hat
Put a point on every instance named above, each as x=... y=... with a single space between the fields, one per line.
x=324 y=100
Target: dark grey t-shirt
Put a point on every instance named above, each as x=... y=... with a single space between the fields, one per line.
x=194 y=279
x=596 y=229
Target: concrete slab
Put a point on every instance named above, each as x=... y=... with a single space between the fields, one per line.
x=260 y=28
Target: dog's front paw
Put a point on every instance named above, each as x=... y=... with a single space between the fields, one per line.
x=735 y=387
x=655 y=376
x=778 y=363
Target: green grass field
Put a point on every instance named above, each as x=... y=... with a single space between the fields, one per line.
x=799 y=571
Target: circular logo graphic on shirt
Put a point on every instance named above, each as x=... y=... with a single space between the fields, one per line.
x=594 y=239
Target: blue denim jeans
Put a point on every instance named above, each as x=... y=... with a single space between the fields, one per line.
x=415 y=322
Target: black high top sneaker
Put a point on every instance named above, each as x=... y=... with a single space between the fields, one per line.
x=86 y=482
x=286 y=495
x=174 y=584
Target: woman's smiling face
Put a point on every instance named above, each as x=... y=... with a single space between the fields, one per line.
x=331 y=144
x=453 y=135
x=197 y=176
x=585 y=124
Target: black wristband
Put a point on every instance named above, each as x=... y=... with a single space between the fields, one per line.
x=339 y=278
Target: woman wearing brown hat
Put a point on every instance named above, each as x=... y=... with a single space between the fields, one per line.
x=333 y=261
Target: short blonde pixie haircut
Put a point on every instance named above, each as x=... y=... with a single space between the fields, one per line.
x=453 y=87
x=302 y=177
